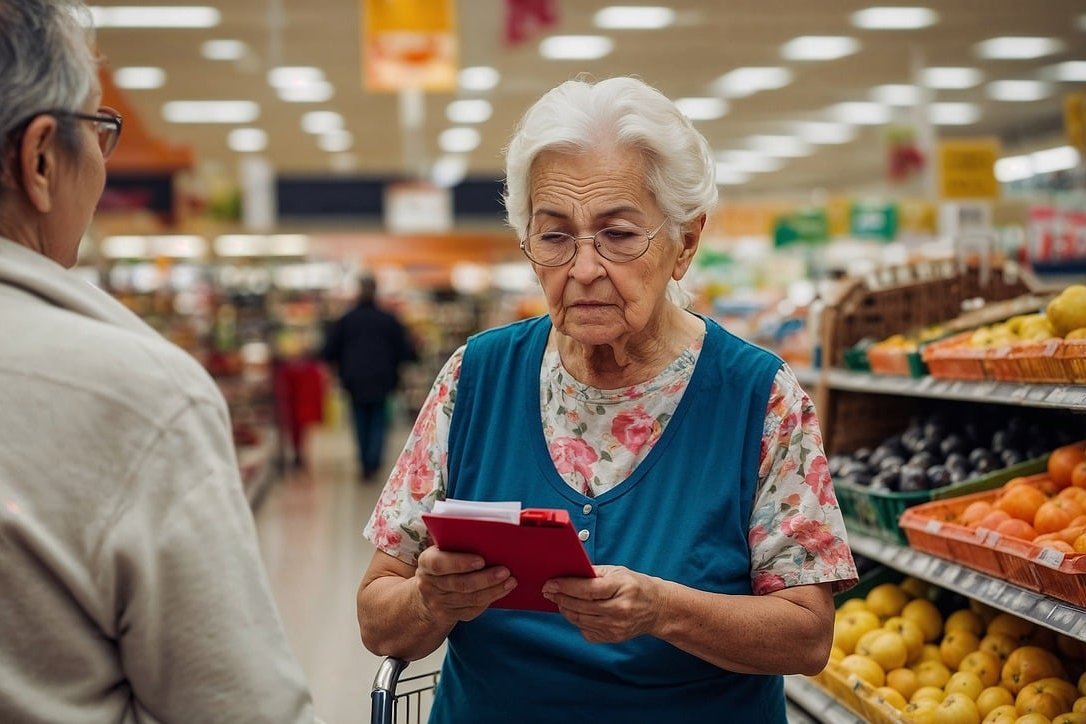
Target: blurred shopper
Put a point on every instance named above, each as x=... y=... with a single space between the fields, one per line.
x=690 y=460
x=299 y=380
x=367 y=347
x=132 y=583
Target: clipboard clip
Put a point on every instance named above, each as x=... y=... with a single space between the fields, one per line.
x=544 y=517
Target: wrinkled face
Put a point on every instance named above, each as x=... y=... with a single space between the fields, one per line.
x=591 y=299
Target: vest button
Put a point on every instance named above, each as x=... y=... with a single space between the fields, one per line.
x=587 y=508
x=583 y=535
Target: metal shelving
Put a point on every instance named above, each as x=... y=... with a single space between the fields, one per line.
x=817 y=702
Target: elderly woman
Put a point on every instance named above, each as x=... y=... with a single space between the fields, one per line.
x=689 y=460
x=132 y=583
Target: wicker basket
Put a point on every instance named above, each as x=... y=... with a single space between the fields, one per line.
x=953 y=359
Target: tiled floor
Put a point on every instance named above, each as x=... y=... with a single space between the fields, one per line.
x=310 y=529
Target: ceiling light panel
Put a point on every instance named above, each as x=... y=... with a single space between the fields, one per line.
x=896 y=94
x=575 y=47
x=224 y=49
x=861 y=114
x=780 y=146
x=1072 y=71
x=335 y=141
x=459 y=140
x=702 y=108
x=819 y=47
x=469 y=110
x=953 y=114
x=1013 y=168
x=295 y=76
x=247 y=140
x=1017 y=48
x=1022 y=91
x=951 y=78
x=727 y=175
x=478 y=78
x=317 y=122
x=743 y=82
x=634 y=17
x=1063 y=158
x=449 y=170
x=749 y=161
x=825 y=133
x=210 y=111
x=315 y=93
x=139 y=78
x=894 y=18
x=132 y=16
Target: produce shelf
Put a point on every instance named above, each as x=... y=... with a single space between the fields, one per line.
x=818 y=703
x=1063 y=397
x=1041 y=610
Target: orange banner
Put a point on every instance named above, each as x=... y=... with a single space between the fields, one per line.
x=409 y=44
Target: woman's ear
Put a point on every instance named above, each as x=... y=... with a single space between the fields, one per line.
x=36 y=160
x=690 y=235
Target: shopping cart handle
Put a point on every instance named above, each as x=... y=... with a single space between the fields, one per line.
x=383 y=693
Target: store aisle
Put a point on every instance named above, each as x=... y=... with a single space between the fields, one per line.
x=310 y=530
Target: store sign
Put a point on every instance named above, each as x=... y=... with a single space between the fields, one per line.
x=874 y=221
x=409 y=44
x=806 y=226
x=967 y=169
x=1057 y=236
x=412 y=208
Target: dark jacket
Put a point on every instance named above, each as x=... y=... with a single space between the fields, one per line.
x=367 y=346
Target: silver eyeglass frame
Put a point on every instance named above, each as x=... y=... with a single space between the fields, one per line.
x=649 y=236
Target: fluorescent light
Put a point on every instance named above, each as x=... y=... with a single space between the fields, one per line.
x=948 y=78
x=295 y=76
x=261 y=245
x=894 y=18
x=896 y=94
x=634 y=17
x=1013 y=168
x=211 y=111
x=288 y=245
x=124 y=247
x=459 y=140
x=860 y=113
x=130 y=16
x=743 y=82
x=469 y=110
x=315 y=93
x=953 y=114
x=1071 y=71
x=728 y=175
x=449 y=170
x=1017 y=48
x=247 y=140
x=823 y=133
x=318 y=122
x=223 y=49
x=749 y=161
x=478 y=78
x=1051 y=160
x=575 y=47
x=1018 y=90
x=179 y=246
x=335 y=141
x=139 y=77
x=702 y=109
x=819 y=47
x=780 y=146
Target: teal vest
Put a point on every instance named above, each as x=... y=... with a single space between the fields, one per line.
x=682 y=515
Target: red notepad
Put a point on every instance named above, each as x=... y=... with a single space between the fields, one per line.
x=542 y=547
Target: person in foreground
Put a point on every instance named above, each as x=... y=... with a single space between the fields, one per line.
x=133 y=587
x=690 y=461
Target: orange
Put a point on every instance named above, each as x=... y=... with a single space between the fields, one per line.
x=975 y=511
x=1063 y=461
x=1056 y=514
x=1070 y=533
x=1078 y=476
x=993 y=519
x=1022 y=502
x=1080 y=544
x=1075 y=493
x=1060 y=545
x=1016 y=528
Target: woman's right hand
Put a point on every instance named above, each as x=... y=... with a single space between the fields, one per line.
x=457 y=587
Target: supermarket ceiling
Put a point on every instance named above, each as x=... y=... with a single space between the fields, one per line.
x=700 y=53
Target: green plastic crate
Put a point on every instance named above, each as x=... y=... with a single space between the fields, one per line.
x=876 y=513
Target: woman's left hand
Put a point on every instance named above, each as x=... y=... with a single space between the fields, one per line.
x=617 y=605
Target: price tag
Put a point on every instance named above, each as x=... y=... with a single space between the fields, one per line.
x=1069 y=397
x=1064 y=619
x=939 y=570
x=1019 y=392
x=1049 y=557
x=992 y=539
x=933 y=526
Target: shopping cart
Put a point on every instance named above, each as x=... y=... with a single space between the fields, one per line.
x=396 y=700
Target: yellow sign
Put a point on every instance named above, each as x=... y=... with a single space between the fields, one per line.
x=1074 y=119
x=967 y=168
x=409 y=44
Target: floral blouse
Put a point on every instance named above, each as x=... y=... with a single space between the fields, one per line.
x=597 y=437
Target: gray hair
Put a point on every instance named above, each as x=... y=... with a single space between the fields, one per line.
x=623 y=113
x=46 y=63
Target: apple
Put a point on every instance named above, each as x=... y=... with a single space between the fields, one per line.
x=992 y=698
x=957 y=709
x=1005 y=714
x=964 y=682
x=956 y=645
x=848 y=629
x=926 y=616
x=910 y=633
x=1027 y=664
x=986 y=666
x=864 y=668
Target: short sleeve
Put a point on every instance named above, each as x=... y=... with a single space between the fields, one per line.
x=797 y=535
x=419 y=476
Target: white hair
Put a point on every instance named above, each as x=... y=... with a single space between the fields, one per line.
x=621 y=113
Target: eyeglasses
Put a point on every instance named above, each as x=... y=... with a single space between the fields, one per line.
x=107 y=125
x=615 y=243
